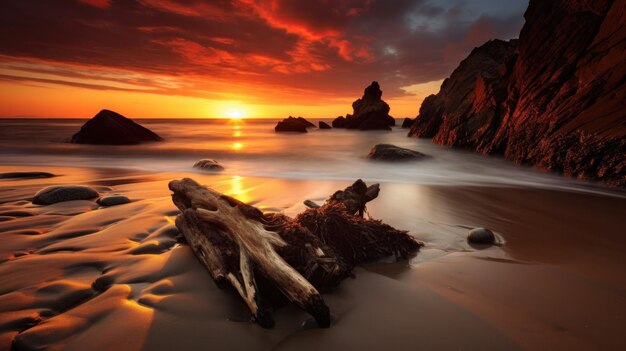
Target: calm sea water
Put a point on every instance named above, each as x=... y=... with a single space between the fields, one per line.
x=252 y=148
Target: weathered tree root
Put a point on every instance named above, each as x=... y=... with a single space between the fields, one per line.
x=238 y=244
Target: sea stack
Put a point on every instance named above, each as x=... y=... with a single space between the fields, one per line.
x=111 y=128
x=369 y=112
x=554 y=99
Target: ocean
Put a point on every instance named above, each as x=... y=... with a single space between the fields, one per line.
x=253 y=148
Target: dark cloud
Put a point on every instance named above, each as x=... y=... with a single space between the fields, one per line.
x=330 y=47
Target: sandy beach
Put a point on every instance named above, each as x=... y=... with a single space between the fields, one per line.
x=75 y=274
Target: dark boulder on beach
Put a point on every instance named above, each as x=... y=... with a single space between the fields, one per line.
x=407 y=123
x=482 y=236
x=339 y=122
x=208 y=164
x=54 y=194
x=113 y=200
x=111 y=128
x=324 y=125
x=293 y=124
x=553 y=99
x=388 y=152
x=370 y=111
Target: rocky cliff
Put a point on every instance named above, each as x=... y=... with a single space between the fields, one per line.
x=555 y=98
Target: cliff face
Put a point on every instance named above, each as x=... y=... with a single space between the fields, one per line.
x=465 y=111
x=555 y=99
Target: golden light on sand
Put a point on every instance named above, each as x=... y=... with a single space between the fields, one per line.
x=170 y=220
x=237 y=189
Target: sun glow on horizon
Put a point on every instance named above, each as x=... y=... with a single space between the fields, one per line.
x=235 y=114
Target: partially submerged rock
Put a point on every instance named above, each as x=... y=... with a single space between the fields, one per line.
x=266 y=257
x=113 y=200
x=388 y=152
x=111 y=128
x=339 y=122
x=209 y=164
x=25 y=175
x=407 y=123
x=482 y=236
x=54 y=194
x=370 y=112
x=324 y=125
x=293 y=124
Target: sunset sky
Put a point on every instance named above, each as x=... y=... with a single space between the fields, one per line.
x=257 y=58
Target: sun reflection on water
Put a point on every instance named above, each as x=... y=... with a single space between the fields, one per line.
x=236 y=146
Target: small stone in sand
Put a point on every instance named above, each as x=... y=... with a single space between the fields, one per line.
x=54 y=194
x=482 y=236
x=388 y=152
x=209 y=165
x=24 y=175
x=113 y=200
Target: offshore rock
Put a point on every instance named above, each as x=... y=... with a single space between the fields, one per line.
x=111 y=128
x=370 y=111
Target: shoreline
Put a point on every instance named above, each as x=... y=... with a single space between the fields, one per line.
x=525 y=294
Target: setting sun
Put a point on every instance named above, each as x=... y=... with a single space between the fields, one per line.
x=235 y=114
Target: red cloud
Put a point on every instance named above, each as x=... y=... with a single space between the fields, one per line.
x=103 y=4
x=316 y=21
x=189 y=8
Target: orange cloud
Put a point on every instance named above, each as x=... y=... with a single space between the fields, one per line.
x=256 y=52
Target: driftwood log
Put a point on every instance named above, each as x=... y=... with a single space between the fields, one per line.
x=269 y=257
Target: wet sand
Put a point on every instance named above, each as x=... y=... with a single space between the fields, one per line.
x=77 y=276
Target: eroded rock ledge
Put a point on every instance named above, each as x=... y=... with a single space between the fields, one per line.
x=554 y=99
